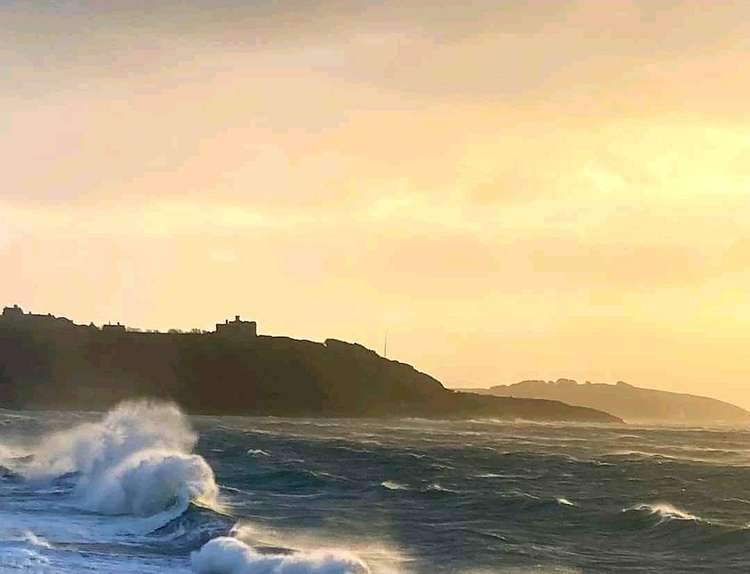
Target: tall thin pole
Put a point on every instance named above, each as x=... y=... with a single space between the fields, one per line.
x=385 y=346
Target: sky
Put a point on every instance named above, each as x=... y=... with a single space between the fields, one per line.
x=510 y=190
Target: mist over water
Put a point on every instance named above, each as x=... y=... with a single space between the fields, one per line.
x=144 y=489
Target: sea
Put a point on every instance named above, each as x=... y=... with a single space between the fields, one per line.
x=145 y=489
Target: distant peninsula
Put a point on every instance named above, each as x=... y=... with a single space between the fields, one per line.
x=633 y=404
x=49 y=362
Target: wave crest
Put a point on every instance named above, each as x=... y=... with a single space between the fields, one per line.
x=136 y=460
x=665 y=511
x=393 y=485
x=147 y=482
x=226 y=555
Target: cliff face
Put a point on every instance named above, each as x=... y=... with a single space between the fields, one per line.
x=68 y=366
x=631 y=403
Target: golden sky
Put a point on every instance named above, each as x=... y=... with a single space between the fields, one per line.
x=511 y=189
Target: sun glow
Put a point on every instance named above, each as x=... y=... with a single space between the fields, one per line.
x=405 y=170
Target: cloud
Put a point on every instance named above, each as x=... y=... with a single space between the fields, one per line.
x=577 y=57
x=497 y=168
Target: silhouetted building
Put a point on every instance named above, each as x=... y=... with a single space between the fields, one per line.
x=109 y=328
x=34 y=320
x=14 y=312
x=237 y=328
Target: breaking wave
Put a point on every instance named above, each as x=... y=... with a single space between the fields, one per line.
x=257 y=452
x=126 y=492
x=393 y=485
x=137 y=459
x=665 y=512
x=226 y=555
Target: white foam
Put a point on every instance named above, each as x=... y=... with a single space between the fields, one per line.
x=380 y=556
x=393 y=485
x=226 y=555
x=135 y=460
x=435 y=487
x=257 y=452
x=26 y=559
x=34 y=540
x=666 y=511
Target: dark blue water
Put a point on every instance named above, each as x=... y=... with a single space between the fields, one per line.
x=392 y=496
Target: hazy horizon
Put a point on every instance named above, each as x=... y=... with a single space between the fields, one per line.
x=511 y=191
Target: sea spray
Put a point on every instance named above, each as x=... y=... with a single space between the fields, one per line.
x=148 y=482
x=502 y=520
x=136 y=460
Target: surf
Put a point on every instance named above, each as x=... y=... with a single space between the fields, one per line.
x=228 y=555
x=136 y=460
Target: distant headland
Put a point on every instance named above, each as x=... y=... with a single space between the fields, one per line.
x=49 y=362
x=633 y=404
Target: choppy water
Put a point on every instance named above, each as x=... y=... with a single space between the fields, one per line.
x=334 y=496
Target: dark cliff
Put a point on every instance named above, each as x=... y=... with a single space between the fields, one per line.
x=56 y=364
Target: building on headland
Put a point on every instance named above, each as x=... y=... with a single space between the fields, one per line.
x=14 y=312
x=16 y=316
x=110 y=328
x=237 y=328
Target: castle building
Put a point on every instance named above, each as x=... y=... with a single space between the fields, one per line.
x=112 y=328
x=237 y=328
x=14 y=312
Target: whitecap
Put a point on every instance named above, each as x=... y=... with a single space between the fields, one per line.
x=393 y=485
x=435 y=487
x=257 y=452
x=137 y=460
x=665 y=511
x=23 y=559
x=226 y=555
x=34 y=540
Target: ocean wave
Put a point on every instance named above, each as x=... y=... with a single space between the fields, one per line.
x=686 y=454
x=8 y=474
x=665 y=512
x=294 y=479
x=508 y=476
x=684 y=530
x=435 y=487
x=640 y=454
x=34 y=540
x=257 y=452
x=24 y=551
x=227 y=555
x=22 y=558
x=136 y=460
x=393 y=485
x=194 y=527
x=25 y=538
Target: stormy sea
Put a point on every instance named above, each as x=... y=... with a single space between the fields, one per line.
x=146 y=489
